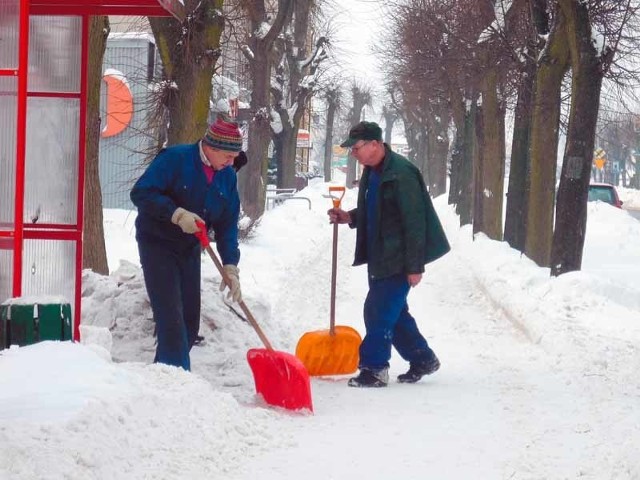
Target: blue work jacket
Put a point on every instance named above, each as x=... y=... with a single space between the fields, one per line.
x=176 y=178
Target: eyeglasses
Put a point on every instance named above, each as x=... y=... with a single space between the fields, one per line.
x=355 y=149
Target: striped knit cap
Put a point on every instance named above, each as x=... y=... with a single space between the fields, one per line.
x=223 y=134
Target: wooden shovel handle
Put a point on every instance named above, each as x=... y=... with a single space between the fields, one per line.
x=204 y=241
x=334 y=260
x=334 y=269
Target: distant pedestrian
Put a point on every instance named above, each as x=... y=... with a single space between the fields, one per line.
x=398 y=232
x=183 y=186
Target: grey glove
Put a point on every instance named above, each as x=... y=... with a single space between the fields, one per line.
x=233 y=273
x=186 y=220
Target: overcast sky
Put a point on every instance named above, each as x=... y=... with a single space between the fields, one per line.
x=355 y=26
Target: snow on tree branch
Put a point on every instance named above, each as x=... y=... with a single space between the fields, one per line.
x=276 y=122
x=248 y=53
x=318 y=54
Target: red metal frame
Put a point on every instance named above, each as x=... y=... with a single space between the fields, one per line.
x=22 y=231
x=82 y=134
x=150 y=8
x=21 y=147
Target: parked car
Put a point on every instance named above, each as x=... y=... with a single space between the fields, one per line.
x=604 y=192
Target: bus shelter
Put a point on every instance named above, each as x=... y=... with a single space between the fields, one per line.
x=43 y=92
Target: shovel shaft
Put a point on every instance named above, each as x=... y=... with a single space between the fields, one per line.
x=336 y=193
x=243 y=306
x=334 y=268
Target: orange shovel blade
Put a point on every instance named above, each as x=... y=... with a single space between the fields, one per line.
x=326 y=354
x=280 y=378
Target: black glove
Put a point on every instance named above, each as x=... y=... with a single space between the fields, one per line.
x=240 y=161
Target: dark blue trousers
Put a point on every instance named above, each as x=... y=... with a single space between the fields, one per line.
x=388 y=322
x=172 y=278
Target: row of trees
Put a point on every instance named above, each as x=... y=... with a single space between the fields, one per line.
x=475 y=63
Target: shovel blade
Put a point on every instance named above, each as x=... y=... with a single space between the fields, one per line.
x=325 y=354
x=280 y=378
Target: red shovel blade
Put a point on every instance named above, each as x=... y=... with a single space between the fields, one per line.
x=280 y=378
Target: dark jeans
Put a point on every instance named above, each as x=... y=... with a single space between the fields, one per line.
x=172 y=278
x=388 y=322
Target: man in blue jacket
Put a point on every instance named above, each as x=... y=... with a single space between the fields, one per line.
x=398 y=232
x=183 y=186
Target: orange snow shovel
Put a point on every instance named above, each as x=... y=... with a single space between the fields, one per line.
x=333 y=351
x=280 y=377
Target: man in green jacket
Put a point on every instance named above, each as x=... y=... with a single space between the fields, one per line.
x=398 y=232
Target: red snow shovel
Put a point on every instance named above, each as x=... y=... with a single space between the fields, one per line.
x=280 y=377
x=334 y=351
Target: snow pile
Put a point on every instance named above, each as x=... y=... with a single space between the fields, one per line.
x=81 y=416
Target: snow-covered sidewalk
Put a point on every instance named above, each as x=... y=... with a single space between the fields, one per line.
x=538 y=377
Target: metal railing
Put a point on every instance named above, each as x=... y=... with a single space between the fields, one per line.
x=277 y=196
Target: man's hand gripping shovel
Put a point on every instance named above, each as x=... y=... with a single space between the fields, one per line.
x=280 y=377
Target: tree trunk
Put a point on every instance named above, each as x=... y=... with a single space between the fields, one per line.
x=328 y=141
x=410 y=136
x=490 y=171
x=459 y=115
x=544 y=145
x=438 y=148
x=389 y=119
x=587 y=73
x=251 y=180
x=422 y=155
x=477 y=168
x=516 y=214
x=94 y=254
x=464 y=207
x=284 y=150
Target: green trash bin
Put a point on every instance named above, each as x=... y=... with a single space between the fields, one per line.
x=28 y=323
x=3 y=332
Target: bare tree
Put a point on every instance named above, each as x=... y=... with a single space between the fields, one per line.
x=552 y=66
x=296 y=77
x=189 y=51
x=536 y=25
x=390 y=115
x=266 y=26
x=333 y=98
x=588 y=67
x=431 y=53
x=361 y=96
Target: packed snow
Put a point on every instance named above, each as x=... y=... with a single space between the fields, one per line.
x=538 y=380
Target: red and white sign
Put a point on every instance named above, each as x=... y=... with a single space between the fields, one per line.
x=304 y=139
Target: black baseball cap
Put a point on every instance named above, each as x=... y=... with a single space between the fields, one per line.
x=363 y=131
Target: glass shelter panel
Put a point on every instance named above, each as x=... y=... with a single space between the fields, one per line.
x=9 y=28
x=54 y=53
x=48 y=268
x=51 y=186
x=8 y=139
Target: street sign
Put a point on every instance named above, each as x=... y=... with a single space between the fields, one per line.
x=599 y=158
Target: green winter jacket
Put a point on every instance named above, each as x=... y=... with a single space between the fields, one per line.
x=409 y=234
